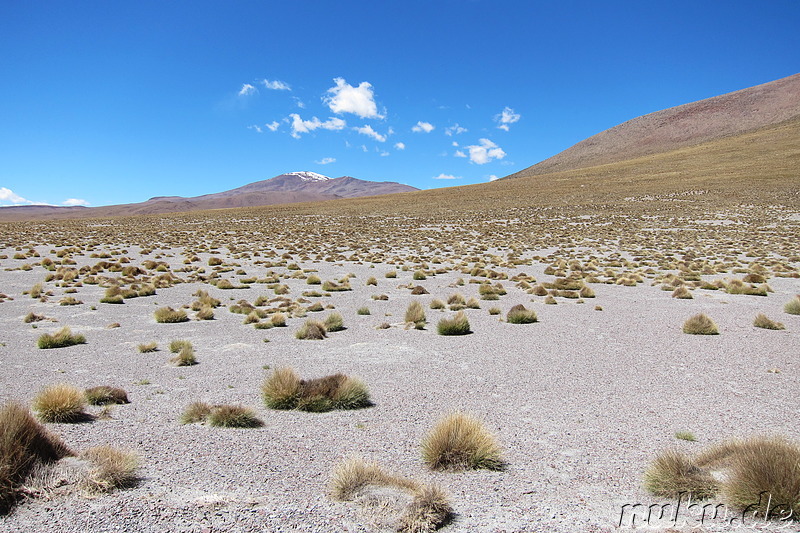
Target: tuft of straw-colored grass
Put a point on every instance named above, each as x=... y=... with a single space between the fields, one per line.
x=456 y=325
x=233 y=416
x=104 y=394
x=700 y=324
x=195 y=412
x=792 y=307
x=460 y=441
x=519 y=314
x=311 y=330
x=334 y=322
x=168 y=315
x=762 y=321
x=672 y=473
x=415 y=314
x=281 y=390
x=60 y=339
x=60 y=403
x=111 y=469
x=147 y=347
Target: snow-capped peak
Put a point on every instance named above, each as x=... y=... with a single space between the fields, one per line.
x=308 y=176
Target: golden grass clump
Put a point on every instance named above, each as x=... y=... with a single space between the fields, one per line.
x=764 y=322
x=184 y=357
x=312 y=330
x=519 y=314
x=60 y=339
x=673 y=473
x=458 y=442
x=792 y=307
x=281 y=389
x=334 y=322
x=168 y=315
x=233 y=416
x=682 y=293
x=415 y=315
x=700 y=324
x=195 y=412
x=111 y=469
x=60 y=403
x=285 y=390
x=24 y=445
x=104 y=395
x=457 y=325
x=402 y=504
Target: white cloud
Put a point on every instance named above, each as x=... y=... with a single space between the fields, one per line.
x=484 y=152
x=455 y=144
x=455 y=129
x=446 y=177
x=369 y=132
x=492 y=177
x=273 y=126
x=400 y=146
x=459 y=153
x=7 y=195
x=326 y=161
x=299 y=102
x=247 y=90
x=427 y=127
x=75 y=201
x=348 y=99
x=506 y=117
x=276 y=85
x=384 y=154
x=254 y=127
x=305 y=126
x=364 y=148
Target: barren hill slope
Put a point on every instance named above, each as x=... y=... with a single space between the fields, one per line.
x=678 y=127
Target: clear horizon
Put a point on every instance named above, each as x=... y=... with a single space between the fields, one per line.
x=110 y=103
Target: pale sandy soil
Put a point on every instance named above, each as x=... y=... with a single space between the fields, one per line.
x=580 y=401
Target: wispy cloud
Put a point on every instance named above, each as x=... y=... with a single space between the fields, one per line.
x=459 y=153
x=75 y=202
x=273 y=126
x=9 y=197
x=275 y=85
x=344 y=98
x=506 y=117
x=455 y=129
x=446 y=177
x=247 y=90
x=369 y=132
x=255 y=128
x=305 y=126
x=421 y=126
x=492 y=177
x=326 y=161
x=484 y=151
x=400 y=146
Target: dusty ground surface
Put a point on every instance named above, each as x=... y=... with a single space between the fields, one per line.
x=581 y=401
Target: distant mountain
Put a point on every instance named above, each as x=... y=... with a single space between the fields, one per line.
x=679 y=127
x=289 y=188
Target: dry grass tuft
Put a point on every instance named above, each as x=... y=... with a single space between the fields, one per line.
x=148 y=347
x=233 y=416
x=104 y=395
x=402 y=504
x=285 y=390
x=168 y=315
x=415 y=314
x=793 y=306
x=700 y=325
x=111 y=469
x=185 y=357
x=460 y=441
x=281 y=390
x=519 y=314
x=195 y=412
x=61 y=403
x=334 y=322
x=762 y=321
x=60 y=339
x=673 y=473
x=312 y=330
x=457 y=325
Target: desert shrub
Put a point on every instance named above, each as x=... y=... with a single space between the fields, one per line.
x=24 y=444
x=793 y=306
x=60 y=339
x=60 y=403
x=473 y=303
x=737 y=286
x=380 y=297
x=168 y=315
x=315 y=307
x=281 y=389
x=415 y=314
x=494 y=311
x=178 y=345
x=36 y=291
x=104 y=394
x=278 y=320
x=111 y=469
x=363 y=311
x=331 y=286
x=700 y=324
x=685 y=435
x=415 y=508
x=372 y=280
x=586 y=292
x=233 y=416
x=113 y=295
x=456 y=325
x=762 y=321
x=519 y=314
x=195 y=412
x=284 y=390
x=391 y=274
x=311 y=330
x=539 y=290
x=459 y=441
x=185 y=357
x=69 y=300
x=418 y=290
x=419 y=275
x=673 y=473
x=148 y=347
x=436 y=304
x=33 y=317
x=281 y=289
x=251 y=318
x=682 y=293
x=205 y=313
x=214 y=261
x=313 y=279
x=225 y=284
x=334 y=322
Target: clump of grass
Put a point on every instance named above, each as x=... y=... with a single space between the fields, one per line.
x=60 y=339
x=111 y=469
x=25 y=444
x=206 y=312
x=33 y=317
x=456 y=325
x=334 y=322
x=415 y=314
x=104 y=395
x=459 y=441
x=178 y=345
x=685 y=435
x=494 y=311
x=682 y=293
x=278 y=320
x=436 y=304
x=519 y=314
x=233 y=416
x=363 y=311
x=168 y=315
x=419 y=275
x=147 y=347
x=402 y=504
x=550 y=300
x=69 y=300
x=312 y=330
x=285 y=390
x=391 y=274
x=185 y=357
x=372 y=280
x=418 y=290
x=762 y=321
x=195 y=412
x=586 y=292
x=60 y=403
x=313 y=279
x=793 y=306
x=113 y=295
x=700 y=324
x=672 y=473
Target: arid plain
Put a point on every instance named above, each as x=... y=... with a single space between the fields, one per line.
x=580 y=401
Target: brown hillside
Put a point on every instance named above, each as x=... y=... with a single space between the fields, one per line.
x=678 y=127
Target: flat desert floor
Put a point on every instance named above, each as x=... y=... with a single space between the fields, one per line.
x=581 y=401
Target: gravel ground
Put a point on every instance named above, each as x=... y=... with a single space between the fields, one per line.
x=581 y=401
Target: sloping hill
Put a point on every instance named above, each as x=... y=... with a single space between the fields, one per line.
x=678 y=127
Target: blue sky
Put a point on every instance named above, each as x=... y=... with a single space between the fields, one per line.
x=114 y=102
